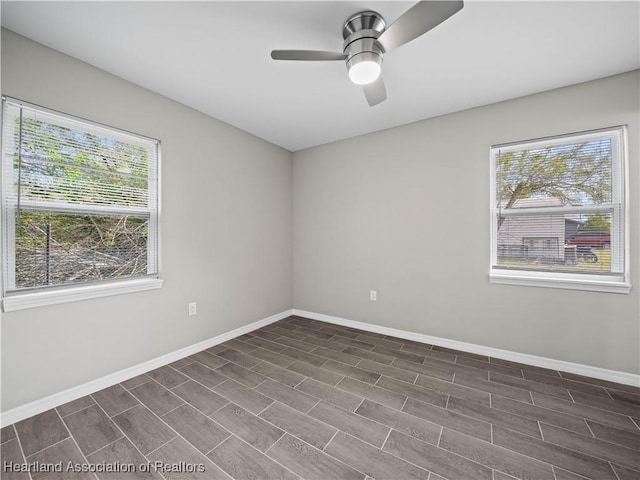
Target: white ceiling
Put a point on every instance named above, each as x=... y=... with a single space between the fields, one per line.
x=214 y=57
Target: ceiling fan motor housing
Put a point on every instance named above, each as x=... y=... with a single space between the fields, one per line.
x=360 y=34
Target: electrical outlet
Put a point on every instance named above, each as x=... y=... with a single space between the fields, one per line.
x=373 y=295
x=193 y=309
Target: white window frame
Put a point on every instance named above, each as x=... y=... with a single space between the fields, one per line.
x=614 y=283
x=13 y=300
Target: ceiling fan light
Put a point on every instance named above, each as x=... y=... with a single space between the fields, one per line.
x=364 y=73
x=364 y=68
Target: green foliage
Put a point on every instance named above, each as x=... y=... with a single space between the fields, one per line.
x=58 y=248
x=598 y=222
x=61 y=164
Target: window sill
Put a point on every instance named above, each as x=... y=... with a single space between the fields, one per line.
x=74 y=294
x=540 y=279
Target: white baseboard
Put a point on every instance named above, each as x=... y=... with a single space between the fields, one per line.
x=577 y=368
x=38 y=406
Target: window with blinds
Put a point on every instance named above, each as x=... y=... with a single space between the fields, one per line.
x=558 y=210
x=79 y=200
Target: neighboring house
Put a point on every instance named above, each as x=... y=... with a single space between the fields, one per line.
x=571 y=226
x=536 y=236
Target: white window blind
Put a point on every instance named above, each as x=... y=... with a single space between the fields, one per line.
x=80 y=201
x=558 y=208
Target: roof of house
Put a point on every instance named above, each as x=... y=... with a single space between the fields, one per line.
x=533 y=202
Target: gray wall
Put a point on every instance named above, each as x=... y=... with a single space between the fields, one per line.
x=406 y=212
x=225 y=233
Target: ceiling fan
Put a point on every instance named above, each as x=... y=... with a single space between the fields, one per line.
x=367 y=39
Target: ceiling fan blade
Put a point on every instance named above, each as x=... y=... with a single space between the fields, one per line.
x=419 y=19
x=307 y=55
x=375 y=92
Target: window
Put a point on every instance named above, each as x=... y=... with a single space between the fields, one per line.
x=558 y=213
x=79 y=206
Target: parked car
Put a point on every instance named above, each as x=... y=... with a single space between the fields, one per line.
x=590 y=239
x=586 y=254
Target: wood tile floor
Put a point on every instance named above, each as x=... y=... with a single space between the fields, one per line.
x=305 y=399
